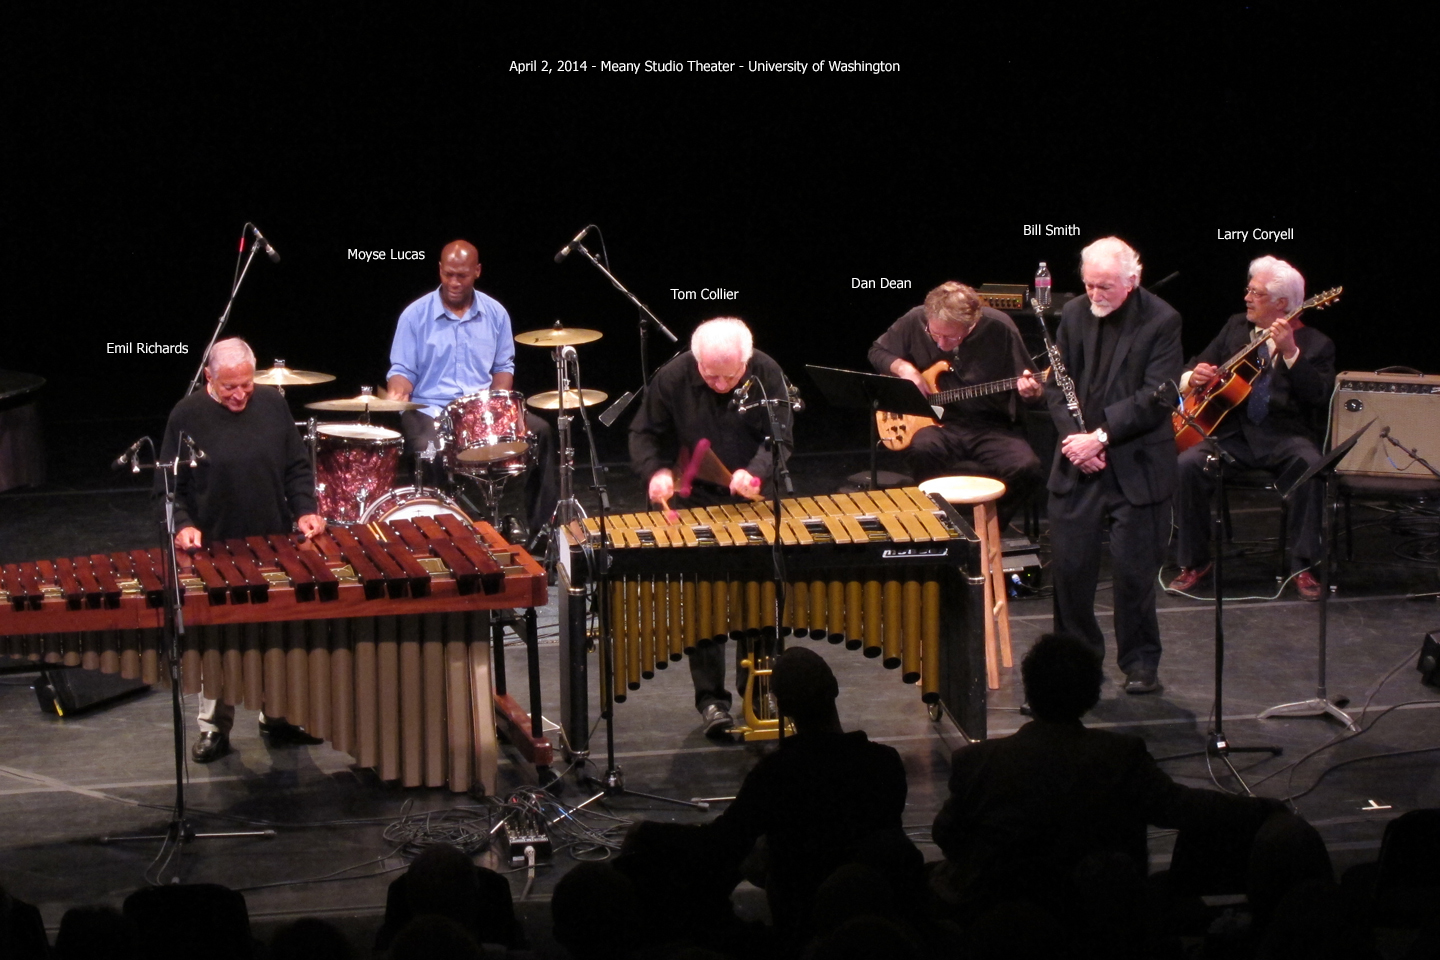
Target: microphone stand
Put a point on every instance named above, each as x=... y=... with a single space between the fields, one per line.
x=647 y=317
x=1217 y=745
x=224 y=314
x=612 y=782
x=178 y=830
x=1412 y=454
x=779 y=474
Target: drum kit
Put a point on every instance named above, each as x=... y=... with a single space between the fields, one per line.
x=481 y=438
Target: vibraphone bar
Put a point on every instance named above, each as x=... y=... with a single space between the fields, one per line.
x=373 y=637
x=882 y=572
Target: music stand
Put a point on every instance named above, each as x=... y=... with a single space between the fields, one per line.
x=854 y=390
x=1320 y=705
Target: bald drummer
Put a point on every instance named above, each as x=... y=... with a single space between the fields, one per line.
x=455 y=341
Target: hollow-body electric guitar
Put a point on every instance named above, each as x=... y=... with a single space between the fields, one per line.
x=1202 y=408
x=898 y=429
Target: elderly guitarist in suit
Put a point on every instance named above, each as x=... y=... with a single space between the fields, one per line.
x=1273 y=428
x=1119 y=343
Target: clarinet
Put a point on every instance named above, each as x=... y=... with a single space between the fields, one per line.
x=1057 y=368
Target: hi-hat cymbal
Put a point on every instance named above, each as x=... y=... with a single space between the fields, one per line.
x=282 y=376
x=550 y=400
x=362 y=404
x=557 y=337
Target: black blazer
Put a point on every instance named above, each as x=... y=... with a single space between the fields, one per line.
x=1299 y=395
x=1148 y=354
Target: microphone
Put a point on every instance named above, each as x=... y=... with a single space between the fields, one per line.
x=120 y=462
x=193 y=451
x=1165 y=395
x=740 y=394
x=260 y=240
x=569 y=248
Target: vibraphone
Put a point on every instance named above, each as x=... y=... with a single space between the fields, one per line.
x=373 y=637
x=883 y=572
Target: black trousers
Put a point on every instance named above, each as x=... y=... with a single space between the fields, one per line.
x=542 y=480
x=1285 y=456
x=1137 y=550
x=997 y=452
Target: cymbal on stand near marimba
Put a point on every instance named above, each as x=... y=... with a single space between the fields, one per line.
x=574 y=399
x=282 y=376
x=558 y=336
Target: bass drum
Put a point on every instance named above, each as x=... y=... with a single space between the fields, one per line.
x=406 y=503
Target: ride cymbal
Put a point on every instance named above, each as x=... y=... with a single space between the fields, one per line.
x=557 y=337
x=550 y=400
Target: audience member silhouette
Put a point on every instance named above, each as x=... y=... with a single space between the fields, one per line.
x=1036 y=804
x=96 y=933
x=444 y=881
x=822 y=799
x=309 y=939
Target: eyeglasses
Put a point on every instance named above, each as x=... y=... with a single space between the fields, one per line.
x=1260 y=294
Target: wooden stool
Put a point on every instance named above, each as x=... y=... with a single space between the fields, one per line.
x=982 y=493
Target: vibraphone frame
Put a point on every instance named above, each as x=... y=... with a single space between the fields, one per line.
x=962 y=687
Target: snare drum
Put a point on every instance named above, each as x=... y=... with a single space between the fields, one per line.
x=354 y=464
x=405 y=503
x=486 y=433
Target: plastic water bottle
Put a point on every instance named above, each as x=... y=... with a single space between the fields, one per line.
x=1042 y=286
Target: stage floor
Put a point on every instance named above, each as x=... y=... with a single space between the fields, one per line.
x=66 y=783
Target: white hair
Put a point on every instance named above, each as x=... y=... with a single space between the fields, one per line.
x=1113 y=250
x=723 y=335
x=1281 y=280
x=229 y=353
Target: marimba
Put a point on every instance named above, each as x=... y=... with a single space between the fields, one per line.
x=884 y=572
x=372 y=637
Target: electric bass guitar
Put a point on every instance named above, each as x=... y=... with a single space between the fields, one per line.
x=1202 y=408
x=898 y=429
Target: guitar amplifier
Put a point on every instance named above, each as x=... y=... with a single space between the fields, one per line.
x=1407 y=403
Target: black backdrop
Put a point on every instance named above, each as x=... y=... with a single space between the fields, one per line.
x=138 y=144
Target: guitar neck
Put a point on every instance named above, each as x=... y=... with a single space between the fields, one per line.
x=966 y=393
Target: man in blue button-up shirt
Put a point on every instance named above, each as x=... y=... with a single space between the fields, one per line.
x=455 y=341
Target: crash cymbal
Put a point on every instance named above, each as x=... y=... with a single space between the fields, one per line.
x=557 y=337
x=363 y=404
x=282 y=376
x=493 y=452
x=550 y=400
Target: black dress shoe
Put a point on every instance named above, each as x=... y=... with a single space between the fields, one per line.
x=1142 y=680
x=281 y=733
x=210 y=746
x=1025 y=710
x=717 y=722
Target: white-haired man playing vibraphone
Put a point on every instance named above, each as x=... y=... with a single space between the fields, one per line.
x=690 y=399
x=255 y=480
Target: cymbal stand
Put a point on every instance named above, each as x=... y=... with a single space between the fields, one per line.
x=567 y=509
x=178 y=830
x=1217 y=744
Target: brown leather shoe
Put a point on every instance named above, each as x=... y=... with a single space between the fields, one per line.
x=1308 y=586
x=1189 y=579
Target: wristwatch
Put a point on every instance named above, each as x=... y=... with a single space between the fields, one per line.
x=1102 y=436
